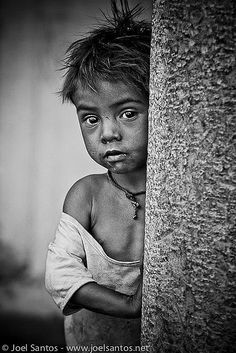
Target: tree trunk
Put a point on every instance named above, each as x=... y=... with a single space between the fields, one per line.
x=189 y=260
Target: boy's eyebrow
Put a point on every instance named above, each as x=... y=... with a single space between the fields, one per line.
x=83 y=106
x=126 y=100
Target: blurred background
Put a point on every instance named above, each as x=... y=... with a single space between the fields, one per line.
x=41 y=154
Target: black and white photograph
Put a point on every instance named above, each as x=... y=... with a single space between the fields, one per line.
x=117 y=184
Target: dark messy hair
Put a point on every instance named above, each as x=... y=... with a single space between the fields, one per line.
x=118 y=50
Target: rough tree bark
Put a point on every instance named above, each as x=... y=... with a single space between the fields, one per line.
x=189 y=261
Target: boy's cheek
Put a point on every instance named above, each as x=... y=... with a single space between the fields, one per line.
x=91 y=149
x=89 y=140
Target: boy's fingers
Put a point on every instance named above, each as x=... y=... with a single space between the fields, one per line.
x=141 y=268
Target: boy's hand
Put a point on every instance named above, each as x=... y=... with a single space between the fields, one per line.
x=136 y=302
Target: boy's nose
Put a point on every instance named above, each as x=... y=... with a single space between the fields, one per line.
x=110 y=131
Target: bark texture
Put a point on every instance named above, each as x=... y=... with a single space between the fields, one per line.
x=189 y=261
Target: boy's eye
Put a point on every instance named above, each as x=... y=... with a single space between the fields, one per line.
x=91 y=120
x=128 y=115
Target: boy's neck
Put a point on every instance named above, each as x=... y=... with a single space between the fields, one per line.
x=133 y=182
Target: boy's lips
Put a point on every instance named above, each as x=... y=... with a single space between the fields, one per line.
x=114 y=155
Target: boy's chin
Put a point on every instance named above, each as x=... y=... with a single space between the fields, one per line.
x=116 y=169
x=122 y=167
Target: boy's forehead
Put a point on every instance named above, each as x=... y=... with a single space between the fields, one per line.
x=108 y=91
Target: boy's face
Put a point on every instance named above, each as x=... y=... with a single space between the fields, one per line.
x=114 y=124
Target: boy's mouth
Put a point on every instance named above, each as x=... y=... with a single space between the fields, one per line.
x=114 y=155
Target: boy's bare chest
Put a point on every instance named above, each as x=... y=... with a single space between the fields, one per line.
x=114 y=227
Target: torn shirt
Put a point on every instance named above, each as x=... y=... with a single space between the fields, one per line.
x=76 y=258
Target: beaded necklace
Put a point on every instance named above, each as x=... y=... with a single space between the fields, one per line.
x=131 y=196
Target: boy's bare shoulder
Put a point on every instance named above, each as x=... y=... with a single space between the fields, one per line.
x=78 y=201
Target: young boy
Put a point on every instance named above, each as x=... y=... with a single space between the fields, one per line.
x=93 y=267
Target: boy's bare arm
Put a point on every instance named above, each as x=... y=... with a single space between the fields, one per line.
x=103 y=300
x=78 y=202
